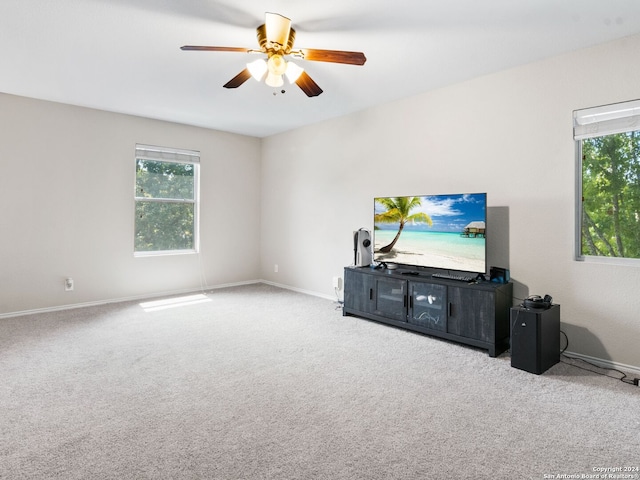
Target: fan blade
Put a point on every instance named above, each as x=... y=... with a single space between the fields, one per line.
x=278 y=28
x=216 y=49
x=333 y=56
x=308 y=86
x=239 y=79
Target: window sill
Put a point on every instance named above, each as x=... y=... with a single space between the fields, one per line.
x=627 y=262
x=164 y=253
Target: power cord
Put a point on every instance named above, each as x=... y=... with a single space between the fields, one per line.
x=625 y=378
x=566 y=342
x=340 y=302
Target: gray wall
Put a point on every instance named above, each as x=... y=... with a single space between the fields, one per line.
x=66 y=190
x=508 y=134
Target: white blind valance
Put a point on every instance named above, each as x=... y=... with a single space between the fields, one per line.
x=149 y=152
x=606 y=120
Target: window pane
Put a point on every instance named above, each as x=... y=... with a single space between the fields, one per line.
x=164 y=226
x=610 y=223
x=164 y=179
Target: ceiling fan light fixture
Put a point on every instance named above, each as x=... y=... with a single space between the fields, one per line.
x=257 y=68
x=277 y=64
x=274 y=80
x=293 y=72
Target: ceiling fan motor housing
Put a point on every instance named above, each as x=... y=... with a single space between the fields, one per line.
x=271 y=47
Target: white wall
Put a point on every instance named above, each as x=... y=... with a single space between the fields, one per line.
x=508 y=134
x=66 y=190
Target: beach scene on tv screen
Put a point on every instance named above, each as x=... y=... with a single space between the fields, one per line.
x=438 y=231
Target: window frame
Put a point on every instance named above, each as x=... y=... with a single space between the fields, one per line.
x=169 y=155
x=604 y=120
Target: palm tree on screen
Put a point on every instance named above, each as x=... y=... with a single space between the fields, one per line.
x=399 y=211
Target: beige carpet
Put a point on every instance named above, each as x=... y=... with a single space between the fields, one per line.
x=257 y=382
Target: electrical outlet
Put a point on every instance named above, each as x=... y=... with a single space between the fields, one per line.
x=68 y=284
x=337 y=283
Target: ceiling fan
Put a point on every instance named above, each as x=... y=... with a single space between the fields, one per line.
x=276 y=38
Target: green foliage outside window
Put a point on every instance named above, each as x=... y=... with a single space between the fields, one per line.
x=610 y=223
x=165 y=206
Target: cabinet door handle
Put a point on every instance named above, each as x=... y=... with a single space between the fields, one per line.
x=371 y=294
x=411 y=301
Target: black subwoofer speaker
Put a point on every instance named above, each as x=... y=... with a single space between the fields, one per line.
x=535 y=338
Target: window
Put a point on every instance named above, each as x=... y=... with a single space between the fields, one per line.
x=608 y=175
x=166 y=198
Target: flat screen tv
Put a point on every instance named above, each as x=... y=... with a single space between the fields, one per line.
x=445 y=232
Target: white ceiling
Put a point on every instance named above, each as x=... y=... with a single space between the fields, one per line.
x=124 y=56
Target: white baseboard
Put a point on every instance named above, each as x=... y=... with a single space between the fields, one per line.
x=299 y=290
x=124 y=299
x=600 y=362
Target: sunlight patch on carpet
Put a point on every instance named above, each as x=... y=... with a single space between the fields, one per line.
x=174 y=302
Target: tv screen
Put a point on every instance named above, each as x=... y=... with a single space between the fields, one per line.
x=434 y=231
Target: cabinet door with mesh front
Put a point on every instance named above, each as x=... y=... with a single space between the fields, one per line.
x=358 y=291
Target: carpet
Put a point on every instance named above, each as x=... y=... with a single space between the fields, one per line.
x=259 y=382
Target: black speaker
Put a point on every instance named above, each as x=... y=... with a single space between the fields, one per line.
x=535 y=338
